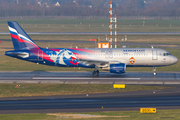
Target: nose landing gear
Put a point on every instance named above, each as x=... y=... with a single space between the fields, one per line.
x=154 y=71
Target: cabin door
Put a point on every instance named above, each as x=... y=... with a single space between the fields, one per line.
x=154 y=54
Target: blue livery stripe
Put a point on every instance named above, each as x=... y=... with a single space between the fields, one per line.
x=13 y=33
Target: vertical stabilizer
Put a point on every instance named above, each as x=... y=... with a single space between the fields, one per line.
x=20 y=39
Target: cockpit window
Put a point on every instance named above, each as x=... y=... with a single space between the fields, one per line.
x=166 y=54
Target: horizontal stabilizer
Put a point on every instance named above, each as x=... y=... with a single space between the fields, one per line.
x=19 y=54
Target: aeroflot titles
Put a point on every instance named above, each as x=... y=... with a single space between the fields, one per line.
x=133 y=50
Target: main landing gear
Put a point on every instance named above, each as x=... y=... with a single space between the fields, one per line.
x=154 y=71
x=96 y=71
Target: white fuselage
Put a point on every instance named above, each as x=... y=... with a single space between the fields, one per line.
x=132 y=57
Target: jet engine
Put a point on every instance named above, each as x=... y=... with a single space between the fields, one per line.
x=116 y=68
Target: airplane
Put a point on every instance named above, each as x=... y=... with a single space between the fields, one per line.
x=114 y=60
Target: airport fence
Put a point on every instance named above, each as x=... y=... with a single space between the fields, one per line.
x=94 y=17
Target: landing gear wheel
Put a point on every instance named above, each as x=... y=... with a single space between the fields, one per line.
x=96 y=73
x=154 y=71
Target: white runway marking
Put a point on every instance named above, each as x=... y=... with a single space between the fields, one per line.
x=82 y=78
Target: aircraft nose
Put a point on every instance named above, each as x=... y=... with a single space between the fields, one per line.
x=175 y=59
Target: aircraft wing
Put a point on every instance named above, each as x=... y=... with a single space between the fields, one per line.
x=99 y=63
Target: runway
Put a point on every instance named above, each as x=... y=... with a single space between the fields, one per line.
x=87 y=78
x=125 y=101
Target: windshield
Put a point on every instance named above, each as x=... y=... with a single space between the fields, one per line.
x=166 y=54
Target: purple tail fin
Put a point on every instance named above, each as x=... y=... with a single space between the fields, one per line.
x=20 y=39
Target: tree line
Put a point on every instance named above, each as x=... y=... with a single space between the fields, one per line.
x=89 y=8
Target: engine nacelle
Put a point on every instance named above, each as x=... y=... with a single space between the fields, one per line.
x=116 y=68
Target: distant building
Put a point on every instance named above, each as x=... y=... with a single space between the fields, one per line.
x=57 y=4
x=90 y=6
x=147 y=1
x=39 y=3
x=17 y=1
x=46 y=5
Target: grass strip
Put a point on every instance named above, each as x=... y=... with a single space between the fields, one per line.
x=113 y=115
x=10 y=90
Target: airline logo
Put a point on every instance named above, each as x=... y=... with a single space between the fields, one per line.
x=134 y=50
x=132 y=60
x=20 y=38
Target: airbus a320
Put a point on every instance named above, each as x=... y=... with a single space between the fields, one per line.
x=114 y=60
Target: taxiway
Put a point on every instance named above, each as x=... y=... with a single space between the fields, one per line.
x=87 y=78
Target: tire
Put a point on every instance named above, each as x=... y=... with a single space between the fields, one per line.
x=96 y=73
